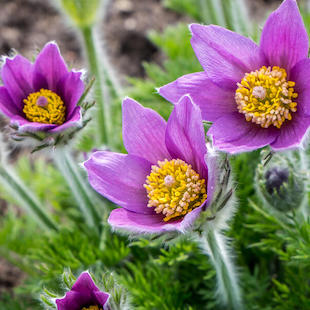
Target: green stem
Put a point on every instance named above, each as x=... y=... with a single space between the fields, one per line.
x=25 y=197
x=240 y=19
x=218 y=12
x=205 y=13
x=227 y=8
x=111 y=78
x=80 y=189
x=213 y=243
x=103 y=116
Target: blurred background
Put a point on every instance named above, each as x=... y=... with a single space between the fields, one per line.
x=28 y=24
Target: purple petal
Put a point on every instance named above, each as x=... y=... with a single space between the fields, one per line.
x=300 y=74
x=120 y=178
x=72 y=301
x=7 y=106
x=70 y=89
x=84 y=284
x=233 y=134
x=102 y=297
x=84 y=293
x=150 y=223
x=185 y=136
x=25 y=125
x=140 y=223
x=74 y=121
x=17 y=76
x=292 y=133
x=49 y=68
x=212 y=100
x=144 y=132
x=284 y=39
x=213 y=175
x=225 y=56
x=190 y=218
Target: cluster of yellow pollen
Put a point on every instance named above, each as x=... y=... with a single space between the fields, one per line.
x=92 y=308
x=174 y=188
x=265 y=97
x=45 y=107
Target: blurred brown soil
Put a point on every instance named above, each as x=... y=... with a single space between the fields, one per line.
x=259 y=9
x=10 y=276
x=127 y=25
x=26 y=25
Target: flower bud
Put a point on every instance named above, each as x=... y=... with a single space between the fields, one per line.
x=83 y=13
x=281 y=183
x=275 y=178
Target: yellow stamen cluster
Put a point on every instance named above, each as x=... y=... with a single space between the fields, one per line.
x=45 y=107
x=265 y=97
x=92 y=308
x=174 y=188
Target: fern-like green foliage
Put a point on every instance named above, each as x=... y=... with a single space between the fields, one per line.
x=78 y=249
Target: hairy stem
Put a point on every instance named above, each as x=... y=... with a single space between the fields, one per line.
x=24 y=197
x=82 y=192
x=213 y=243
x=104 y=123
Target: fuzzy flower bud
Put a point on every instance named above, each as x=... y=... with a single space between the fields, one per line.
x=83 y=13
x=275 y=178
x=281 y=183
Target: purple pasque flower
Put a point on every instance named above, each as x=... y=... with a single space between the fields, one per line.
x=41 y=96
x=84 y=295
x=164 y=181
x=254 y=95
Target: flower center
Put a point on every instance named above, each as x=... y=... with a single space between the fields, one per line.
x=92 y=308
x=265 y=97
x=45 y=107
x=174 y=188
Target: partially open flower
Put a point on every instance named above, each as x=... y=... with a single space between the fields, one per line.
x=41 y=96
x=254 y=95
x=275 y=178
x=281 y=183
x=164 y=182
x=84 y=295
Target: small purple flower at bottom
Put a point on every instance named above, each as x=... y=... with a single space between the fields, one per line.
x=164 y=181
x=254 y=95
x=41 y=96
x=84 y=295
